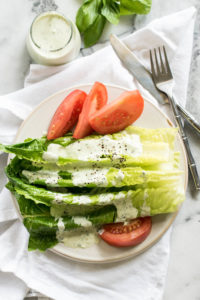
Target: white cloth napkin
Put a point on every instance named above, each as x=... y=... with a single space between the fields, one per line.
x=142 y=277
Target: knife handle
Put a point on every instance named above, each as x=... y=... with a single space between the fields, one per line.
x=189 y=118
x=191 y=162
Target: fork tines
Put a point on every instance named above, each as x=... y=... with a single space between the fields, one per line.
x=160 y=69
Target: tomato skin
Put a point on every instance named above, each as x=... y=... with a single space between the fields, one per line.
x=118 y=114
x=120 y=235
x=66 y=114
x=95 y=100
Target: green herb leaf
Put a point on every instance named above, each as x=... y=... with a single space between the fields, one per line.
x=129 y=7
x=87 y=14
x=111 y=11
x=92 y=15
x=93 y=33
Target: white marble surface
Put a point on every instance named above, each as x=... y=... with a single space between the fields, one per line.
x=183 y=280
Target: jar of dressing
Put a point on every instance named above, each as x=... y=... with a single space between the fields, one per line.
x=53 y=39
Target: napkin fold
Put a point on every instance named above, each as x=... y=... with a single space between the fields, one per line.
x=142 y=277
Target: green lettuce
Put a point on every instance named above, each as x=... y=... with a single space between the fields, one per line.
x=157 y=147
x=33 y=149
x=41 y=242
x=49 y=224
x=110 y=177
x=49 y=194
x=43 y=227
x=159 y=200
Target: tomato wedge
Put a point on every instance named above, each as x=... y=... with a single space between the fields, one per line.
x=95 y=100
x=132 y=234
x=118 y=114
x=66 y=114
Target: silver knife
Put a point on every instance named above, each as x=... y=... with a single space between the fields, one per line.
x=143 y=76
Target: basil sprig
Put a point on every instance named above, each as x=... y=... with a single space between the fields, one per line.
x=93 y=14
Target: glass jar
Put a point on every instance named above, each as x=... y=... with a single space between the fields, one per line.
x=53 y=39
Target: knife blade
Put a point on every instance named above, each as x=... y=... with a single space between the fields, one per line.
x=135 y=67
x=144 y=77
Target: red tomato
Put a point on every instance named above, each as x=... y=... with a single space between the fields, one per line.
x=66 y=114
x=120 y=235
x=95 y=100
x=118 y=114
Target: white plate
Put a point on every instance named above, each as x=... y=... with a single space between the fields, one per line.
x=37 y=124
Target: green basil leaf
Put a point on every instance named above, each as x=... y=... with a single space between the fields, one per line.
x=93 y=33
x=87 y=14
x=129 y=7
x=111 y=11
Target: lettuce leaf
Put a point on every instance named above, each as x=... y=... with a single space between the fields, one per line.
x=31 y=149
x=156 y=145
x=49 y=224
x=104 y=177
x=129 y=7
x=129 y=186
x=29 y=208
x=163 y=199
x=158 y=135
x=41 y=242
x=43 y=230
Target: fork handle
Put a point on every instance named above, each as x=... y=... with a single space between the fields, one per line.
x=189 y=118
x=191 y=162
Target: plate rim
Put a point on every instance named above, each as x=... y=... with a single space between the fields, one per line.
x=158 y=237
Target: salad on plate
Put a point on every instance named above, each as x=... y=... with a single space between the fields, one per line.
x=95 y=175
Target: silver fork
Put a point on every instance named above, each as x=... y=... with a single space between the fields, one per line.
x=163 y=80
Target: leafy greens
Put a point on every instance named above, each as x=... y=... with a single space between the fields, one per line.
x=93 y=14
x=48 y=193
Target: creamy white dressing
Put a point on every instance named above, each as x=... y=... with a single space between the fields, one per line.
x=120 y=175
x=145 y=211
x=105 y=198
x=53 y=153
x=81 y=200
x=125 y=209
x=80 y=176
x=93 y=149
x=83 y=176
x=51 y=32
x=58 y=198
x=61 y=225
x=80 y=238
x=61 y=228
x=49 y=177
x=118 y=178
x=53 y=39
x=82 y=221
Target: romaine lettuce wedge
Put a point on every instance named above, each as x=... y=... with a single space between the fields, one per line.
x=100 y=177
x=49 y=225
x=46 y=230
x=133 y=146
x=132 y=203
x=67 y=185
